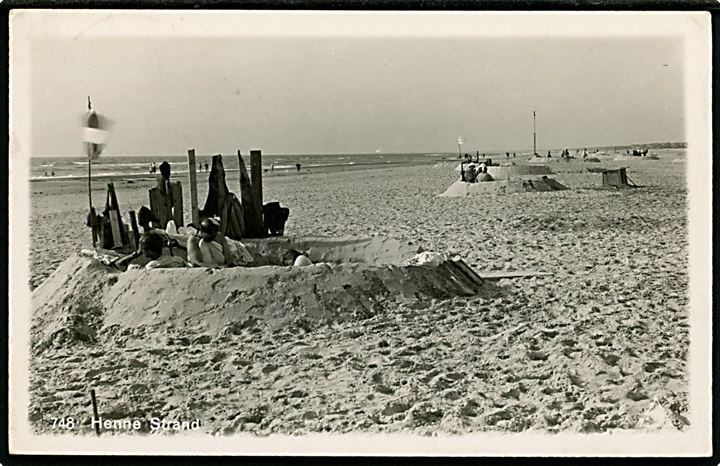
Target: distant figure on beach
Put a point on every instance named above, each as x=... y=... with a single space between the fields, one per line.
x=272 y=167
x=549 y=154
x=45 y=173
x=507 y=155
x=52 y=173
x=151 y=245
x=206 y=250
x=153 y=168
x=513 y=154
x=298 y=165
x=206 y=166
x=584 y=153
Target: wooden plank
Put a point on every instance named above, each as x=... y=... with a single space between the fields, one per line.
x=514 y=274
x=158 y=206
x=193 y=188
x=114 y=205
x=135 y=229
x=252 y=216
x=177 y=208
x=460 y=273
x=115 y=224
x=468 y=271
x=461 y=282
x=256 y=177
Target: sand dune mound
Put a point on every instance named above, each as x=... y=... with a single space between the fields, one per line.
x=461 y=188
x=66 y=307
x=360 y=279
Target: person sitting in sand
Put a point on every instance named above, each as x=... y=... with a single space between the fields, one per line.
x=206 y=250
x=470 y=174
x=148 y=221
x=151 y=246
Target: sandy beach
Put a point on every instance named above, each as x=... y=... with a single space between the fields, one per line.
x=599 y=345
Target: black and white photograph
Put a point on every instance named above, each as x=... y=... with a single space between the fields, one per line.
x=403 y=233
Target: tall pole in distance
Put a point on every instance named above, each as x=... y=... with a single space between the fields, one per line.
x=534 y=136
x=90 y=148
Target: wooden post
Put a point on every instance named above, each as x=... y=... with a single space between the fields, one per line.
x=254 y=225
x=193 y=188
x=177 y=204
x=113 y=212
x=96 y=418
x=256 y=177
x=135 y=229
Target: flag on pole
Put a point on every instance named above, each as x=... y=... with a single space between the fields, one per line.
x=461 y=140
x=95 y=132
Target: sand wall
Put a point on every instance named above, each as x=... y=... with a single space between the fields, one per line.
x=83 y=295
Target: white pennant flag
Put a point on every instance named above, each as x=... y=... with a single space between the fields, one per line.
x=461 y=140
x=94 y=135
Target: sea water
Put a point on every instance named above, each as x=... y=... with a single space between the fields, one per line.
x=119 y=166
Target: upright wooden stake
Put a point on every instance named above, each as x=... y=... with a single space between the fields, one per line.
x=193 y=188
x=96 y=418
x=253 y=217
x=135 y=229
x=256 y=177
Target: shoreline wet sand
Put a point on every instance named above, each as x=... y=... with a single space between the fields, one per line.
x=599 y=345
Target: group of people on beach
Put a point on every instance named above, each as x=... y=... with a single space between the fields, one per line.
x=154 y=168
x=206 y=246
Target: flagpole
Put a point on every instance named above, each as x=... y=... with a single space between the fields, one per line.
x=88 y=150
x=534 y=136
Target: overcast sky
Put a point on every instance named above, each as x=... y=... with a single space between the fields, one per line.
x=353 y=95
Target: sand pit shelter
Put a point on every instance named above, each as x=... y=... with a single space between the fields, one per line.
x=616 y=178
x=350 y=278
x=544 y=184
